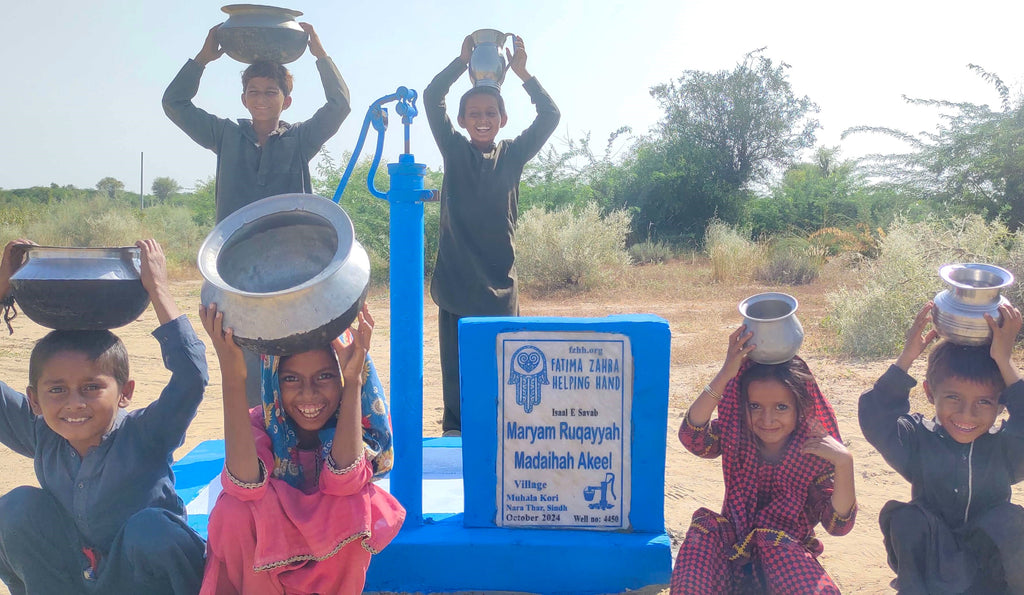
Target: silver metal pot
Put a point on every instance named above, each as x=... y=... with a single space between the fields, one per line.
x=487 y=65
x=286 y=271
x=254 y=33
x=80 y=288
x=778 y=333
x=974 y=290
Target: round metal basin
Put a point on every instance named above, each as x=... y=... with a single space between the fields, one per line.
x=80 y=288
x=255 y=33
x=286 y=271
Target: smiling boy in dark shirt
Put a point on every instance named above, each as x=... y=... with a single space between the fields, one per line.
x=262 y=156
x=475 y=271
x=106 y=518
x=959 y=532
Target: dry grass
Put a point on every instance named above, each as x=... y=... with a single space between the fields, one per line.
x=700 y=312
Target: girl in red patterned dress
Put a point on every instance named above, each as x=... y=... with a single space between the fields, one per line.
x=785 y=470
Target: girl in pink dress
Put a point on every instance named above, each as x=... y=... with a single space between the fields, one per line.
x=298 y=512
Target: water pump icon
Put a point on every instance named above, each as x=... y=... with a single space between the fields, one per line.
x=608 y=485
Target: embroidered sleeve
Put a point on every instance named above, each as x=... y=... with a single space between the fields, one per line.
x=345 y=481
x=819 y=508
x=243 y=490
x=704 y=441
x=332 y=465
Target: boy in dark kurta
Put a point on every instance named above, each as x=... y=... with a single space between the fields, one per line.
x=264 y=156
x=475 y=271
x=960 y=532
x=106 y=518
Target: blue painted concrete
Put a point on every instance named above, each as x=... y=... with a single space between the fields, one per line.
x=445 y=556
x=442 y=555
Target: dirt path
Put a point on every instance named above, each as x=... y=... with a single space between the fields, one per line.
x=700 y=314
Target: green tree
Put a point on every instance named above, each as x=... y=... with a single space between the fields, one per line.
x=201 y=202
x=112 y=187
x=723 y=133
x=369 y=214
x=972 y=163
x=164 y=187
x=745 y=122
x=574 y=176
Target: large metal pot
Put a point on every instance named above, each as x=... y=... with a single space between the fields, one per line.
x=80 y=288
x=974 y=290
x=286 y=271
x=778 y=333
x=254 y=33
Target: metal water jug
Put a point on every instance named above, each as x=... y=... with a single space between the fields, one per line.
x=487 y=64
x=778 y=333
x=974 y=290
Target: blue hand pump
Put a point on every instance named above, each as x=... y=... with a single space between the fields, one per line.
x=406 y=197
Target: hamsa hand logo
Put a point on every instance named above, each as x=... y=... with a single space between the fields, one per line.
x=528 y=370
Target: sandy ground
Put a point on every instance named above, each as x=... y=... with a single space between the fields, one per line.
x=701 y=315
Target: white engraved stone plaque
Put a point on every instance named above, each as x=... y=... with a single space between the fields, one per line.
x=565 y=401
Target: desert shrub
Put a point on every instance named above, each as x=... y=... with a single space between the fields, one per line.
x=790 y=261
x=90 y=222
x=871 y=319
x=380 y=271
x=648 y=252
x=570 y=248
x=733 y=255
x=98 y=221
x=176 y=230
x=833 y=241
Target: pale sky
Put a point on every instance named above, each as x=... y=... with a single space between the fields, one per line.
x=83 y=79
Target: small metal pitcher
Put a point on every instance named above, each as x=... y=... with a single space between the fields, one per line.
x=974 y=290
x=487 y=65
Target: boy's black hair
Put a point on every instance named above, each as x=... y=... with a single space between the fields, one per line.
x=102 y=347
x=481 y=91
x=972 y=363
x=270 y=70
x=793 y=374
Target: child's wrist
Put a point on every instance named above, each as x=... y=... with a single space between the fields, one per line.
x=904 y=361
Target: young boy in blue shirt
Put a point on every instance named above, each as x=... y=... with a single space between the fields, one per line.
x=106 y=518
x=475 y=271
x=263 y=156
x=960 y=532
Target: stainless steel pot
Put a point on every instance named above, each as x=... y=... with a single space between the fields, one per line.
x=80 y=288
x=778 y=333
x=974 y=290
x=254 y=33
x=286 y=271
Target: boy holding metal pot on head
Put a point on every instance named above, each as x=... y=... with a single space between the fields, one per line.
x=106 y=518
x=960 y=532
x=475 y=271
x=262 y=156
